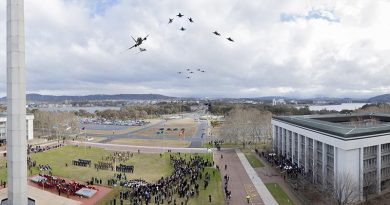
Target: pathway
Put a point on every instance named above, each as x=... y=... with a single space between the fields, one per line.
x=239 y=184
x=266 y=196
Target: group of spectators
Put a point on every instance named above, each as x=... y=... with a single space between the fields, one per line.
x=61 y=185
x=38 y=148
x=82 y=162
x=184 y=183
x=290 y=169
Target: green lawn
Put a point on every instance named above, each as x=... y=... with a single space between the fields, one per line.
x=278 y=193
x=150 y=167
x=253 y=160
x=147 y=166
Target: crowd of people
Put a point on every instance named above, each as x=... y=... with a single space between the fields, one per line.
x=118 y=156
x=104 y=166
x=43 y=167
x=185 y=182
x=216 y=143
x=286 y=165
x=125 y=168
x=82 y=162
x=39 y=148
x=61 y=185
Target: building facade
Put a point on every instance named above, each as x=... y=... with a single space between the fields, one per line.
x=29 y=127
x=334 y=146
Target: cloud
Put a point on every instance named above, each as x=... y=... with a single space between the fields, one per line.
x=76 y=47
x=312 y=14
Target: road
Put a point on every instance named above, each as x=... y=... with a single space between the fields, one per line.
x=196 y=140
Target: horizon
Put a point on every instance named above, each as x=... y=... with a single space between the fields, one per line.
x=283 y=51
x=275 y=97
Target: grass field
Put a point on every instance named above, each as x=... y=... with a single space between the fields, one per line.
x=154 y=143
x=188 y=124
x=278 y=193
x=150 y=167
x=145 y=164
x=253 y=160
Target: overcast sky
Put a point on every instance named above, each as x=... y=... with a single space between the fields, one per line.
x=286 y=48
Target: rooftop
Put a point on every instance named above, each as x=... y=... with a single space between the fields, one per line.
x=342 y=125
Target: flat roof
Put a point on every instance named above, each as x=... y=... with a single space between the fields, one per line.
x=342 y=125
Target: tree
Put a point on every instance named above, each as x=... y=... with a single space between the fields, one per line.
x=345 y=190
x=247 y=125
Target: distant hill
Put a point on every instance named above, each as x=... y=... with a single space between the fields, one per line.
x=61 y=98
x=380 y=98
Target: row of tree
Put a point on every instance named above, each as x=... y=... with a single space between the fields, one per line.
x=247 y=124
x=138 y=111
x=57 y=124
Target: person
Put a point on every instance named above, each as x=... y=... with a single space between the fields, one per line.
x=221 y=156
x=225 y=166
x=248 y=199
x=210 y=198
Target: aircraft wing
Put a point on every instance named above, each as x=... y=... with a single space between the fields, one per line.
x=134 y=39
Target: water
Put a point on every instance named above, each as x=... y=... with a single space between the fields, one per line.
x=342 y=106
x=71 y=109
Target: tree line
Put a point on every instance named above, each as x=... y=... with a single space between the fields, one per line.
x=131 y=112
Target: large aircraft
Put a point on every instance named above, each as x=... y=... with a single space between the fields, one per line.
x=138 y=42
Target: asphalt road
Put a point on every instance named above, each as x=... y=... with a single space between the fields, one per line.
x=196 y=140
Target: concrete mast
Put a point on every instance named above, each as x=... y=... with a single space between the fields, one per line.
x=16 y=105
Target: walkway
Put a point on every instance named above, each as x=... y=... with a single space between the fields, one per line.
x=239 y=184
x=266 y=196
x=134 y=148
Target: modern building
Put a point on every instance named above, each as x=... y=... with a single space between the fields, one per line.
x=332 y=146
x=29 y=127
x=278 y=102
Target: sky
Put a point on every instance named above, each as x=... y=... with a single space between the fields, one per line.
x=294 y=48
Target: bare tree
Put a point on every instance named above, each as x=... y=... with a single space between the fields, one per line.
x=247 y=125
x=369 y=184
x=344 y=191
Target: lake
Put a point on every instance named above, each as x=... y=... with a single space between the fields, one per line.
x=342 y=106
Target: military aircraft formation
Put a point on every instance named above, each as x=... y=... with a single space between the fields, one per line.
x=180 y=15
x=187 y=74
x=140 y=40
x=190 y=72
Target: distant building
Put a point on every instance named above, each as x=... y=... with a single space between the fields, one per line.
x=29 y=127
x=278 y=102
x=328 y=146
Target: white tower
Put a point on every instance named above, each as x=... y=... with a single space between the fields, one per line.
x=16 y=105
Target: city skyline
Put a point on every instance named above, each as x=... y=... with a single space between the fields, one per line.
x=301 y=49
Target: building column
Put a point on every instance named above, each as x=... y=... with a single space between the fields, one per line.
x=324 y=163
x=314 y=165
x=283 y=141
x=274 y=137
x=280 y=141
x=287 y=143
x=335 y=168
x=299 y=149
x=292 y=147
x=379 y=167
x=16 y=104
x=361 y=172
x=306 y=152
